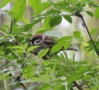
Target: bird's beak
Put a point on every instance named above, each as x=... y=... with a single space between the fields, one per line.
x=30 y=40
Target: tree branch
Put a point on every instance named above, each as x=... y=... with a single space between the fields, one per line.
x=85 y=26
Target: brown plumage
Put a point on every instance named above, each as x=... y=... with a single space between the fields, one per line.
x=43 y=42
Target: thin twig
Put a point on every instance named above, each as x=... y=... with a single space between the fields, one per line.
x=75 y=83
x=86 y=83
x=85 y=26
x=18 y=80
x=22 y=85
x=11 y=26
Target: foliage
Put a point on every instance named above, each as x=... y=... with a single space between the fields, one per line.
x=60 y=72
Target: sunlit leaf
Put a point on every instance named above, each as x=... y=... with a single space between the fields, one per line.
x=46 y=22
x=38 y=6
x=35 y=4
x=4 y=2
x=65 y=38
x=25 y=20
x=95 y=88
x=44 y=6
x=77 y=34
x=43 y=52
x=93 y=31
x=28 y=71
x=57 y=47
x=83 y=1
x=67 y=44
x=74 y=77
x=97 y=13
x=18 y=10
x=45 y=87
x=17 y=47
x=31 y=48
x=27 y=27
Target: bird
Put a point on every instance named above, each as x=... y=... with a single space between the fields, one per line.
x=44 y=41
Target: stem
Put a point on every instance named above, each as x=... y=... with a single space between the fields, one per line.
x=18 y=80
x=22 y=85
x=11 y=26
x=5 y=88
x=75 y=84
x=85 y=26
x=85 y=83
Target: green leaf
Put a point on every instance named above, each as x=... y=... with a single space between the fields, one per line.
x=41 y=30
x=45 y=87
x=83 y=1
x=17 y=47
x=67 y=44
x=56 y=48
x=28 y=71
x=68 y=18
x=4 y=2
x=92 y=3
x=35 y=4
x=65 y=41
x=90 y=13
x=64 y=5
x=95 y=88
x=18 y=10
x=59 y=86
x=74 y=77
x=97 y=13
x=9 y=57
x=32 y=48
x=77 y=34
x=44 y=6
x=27 y=27
x=25 y=20
x=46 y=22
x=93 y=31
x=43 y=52
x=66 y=38
x=16 y=28
x=55 y=21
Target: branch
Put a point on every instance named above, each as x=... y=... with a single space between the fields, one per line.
x=75 y=83
x=18 y=80
x=11 y=25
x=85 y=26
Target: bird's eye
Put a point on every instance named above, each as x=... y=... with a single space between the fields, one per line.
x=37 y=40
